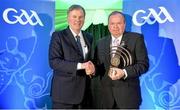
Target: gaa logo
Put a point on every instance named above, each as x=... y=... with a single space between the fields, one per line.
x=17 y=17
x=152 y=13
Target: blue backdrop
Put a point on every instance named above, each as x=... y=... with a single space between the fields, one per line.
x=25 y=76
x=159 y=22
x=25 y=32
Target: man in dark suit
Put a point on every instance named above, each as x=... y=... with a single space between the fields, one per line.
x=120 y=86
x=69 y=57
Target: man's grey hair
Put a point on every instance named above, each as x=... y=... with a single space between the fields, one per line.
x=74 y=7
x=116 y=12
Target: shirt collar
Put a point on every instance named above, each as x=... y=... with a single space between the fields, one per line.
x=74 y=34
x=119 y=37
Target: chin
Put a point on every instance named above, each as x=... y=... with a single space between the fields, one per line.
x=116 y=35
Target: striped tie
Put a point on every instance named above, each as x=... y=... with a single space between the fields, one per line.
x=79 y=44
x=116 y=42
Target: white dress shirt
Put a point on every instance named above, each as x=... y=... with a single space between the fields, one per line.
x=83 y=44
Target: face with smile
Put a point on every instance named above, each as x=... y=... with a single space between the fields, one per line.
x=76 y=20
x=116 y=24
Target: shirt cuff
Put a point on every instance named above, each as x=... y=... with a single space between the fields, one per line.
x=79 y=66
x=125 y=74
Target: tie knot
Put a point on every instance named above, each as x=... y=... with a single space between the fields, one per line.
x=78 y=37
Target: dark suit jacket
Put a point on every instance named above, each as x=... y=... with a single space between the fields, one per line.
x=126 y=92
x=68 y=83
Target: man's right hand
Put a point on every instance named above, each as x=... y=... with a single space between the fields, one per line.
x=89 y=68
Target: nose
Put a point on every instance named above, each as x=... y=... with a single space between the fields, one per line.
x=79 y=18
x=115 y=26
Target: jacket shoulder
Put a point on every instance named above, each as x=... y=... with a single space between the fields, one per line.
x=59 y=33
x=133 y=35
x=104 y=39
x=88 y=35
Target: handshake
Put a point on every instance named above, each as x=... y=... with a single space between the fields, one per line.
x=89 y=68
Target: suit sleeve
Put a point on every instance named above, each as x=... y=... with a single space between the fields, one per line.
x=56 y=57
x=141 y=61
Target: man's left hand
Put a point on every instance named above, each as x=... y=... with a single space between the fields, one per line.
x=118 y=74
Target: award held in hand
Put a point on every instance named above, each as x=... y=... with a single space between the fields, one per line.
x=120 y=57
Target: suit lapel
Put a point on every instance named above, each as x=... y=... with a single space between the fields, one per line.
x=124 y=38
x=87 y=43
x=72 y=40
x=86 y=40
